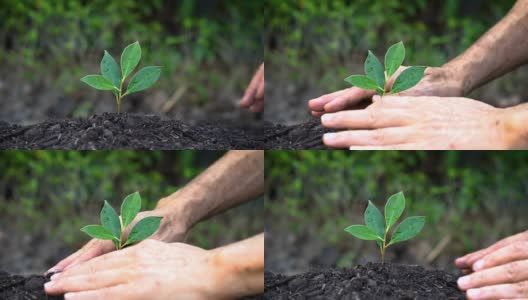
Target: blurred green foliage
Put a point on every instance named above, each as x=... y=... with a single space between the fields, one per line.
x=191 y=39
x=476 y=197
x=55 y=193
x=307 y=37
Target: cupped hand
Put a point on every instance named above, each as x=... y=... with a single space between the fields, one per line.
x=149 y=270
x=398 y=122
x=440 y=82
x=254 y=95
x=499 y=271
x=169 y=231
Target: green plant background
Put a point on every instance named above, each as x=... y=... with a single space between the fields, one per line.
x=47 y=196
x=311 y=45
x=46 y=46
x=475 y=198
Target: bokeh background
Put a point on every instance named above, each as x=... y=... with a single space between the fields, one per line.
x=312 y=45
x=209 y=50
x=469 y=199
x=47 y=196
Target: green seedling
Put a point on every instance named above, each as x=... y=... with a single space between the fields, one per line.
x=377 y=77
x=113 y=77
x=377 y=228
x=113 y=227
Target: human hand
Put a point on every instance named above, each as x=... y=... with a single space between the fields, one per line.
x=254 y=95
x=500 y=271
x=442 y=82
x=397 y=122
x=150 y=270
x=169 y=231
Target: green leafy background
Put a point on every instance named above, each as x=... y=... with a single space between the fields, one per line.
x=209 y=50
x=471 y=199
x=47 y=196
x=312 y=45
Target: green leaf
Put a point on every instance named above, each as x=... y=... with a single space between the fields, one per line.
x=130 y=208
x=110 y=69
x=363 y=232
x=374 y=69
x=98 y=82
x=110 y=219
x=130 y=59
x=407 y=79
x=143 y=79
x=362 y=82
x=98 y=232
x=394 y=209
x=394 y=58
x=374 y=220
x=407 y=229
x=143 y=229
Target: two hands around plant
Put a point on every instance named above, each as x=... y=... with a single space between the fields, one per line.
x=497 y=272
x=156 y=268
x=426 y=114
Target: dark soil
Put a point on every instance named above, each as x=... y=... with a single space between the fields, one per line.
x=15 y=287
x=370 y=281
x=150 y=132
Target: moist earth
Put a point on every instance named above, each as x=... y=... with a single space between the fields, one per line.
x=364 y=282
x=16 y=287
x=149 y=132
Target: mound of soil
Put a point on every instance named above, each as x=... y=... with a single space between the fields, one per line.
x=15 y=287
x=150 y=132
x=371 y=281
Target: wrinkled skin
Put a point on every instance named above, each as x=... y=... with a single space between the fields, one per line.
x=419 y=123
x=498 y=272
x=254 y=95
x=169 y=231
x=149 y=270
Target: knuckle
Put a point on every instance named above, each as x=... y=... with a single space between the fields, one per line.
x=378 y=136
x=512 y=271
x=371 y=117
x=521 y=289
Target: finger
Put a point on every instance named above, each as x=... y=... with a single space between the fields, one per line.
x=376 y=137
x=257 y=107
x=385 y=147
x=249 y=94
x=366 y=119
x=508 y=273
x=506 y=254
x=502 y=291
x=117 y=292
x=63 y=284
x=104 y=262
x=260 y=90
x=91 y=249
x=347 y=99
x=318 y=104
x=317 y=114
x=95 y=251
x=469 y=259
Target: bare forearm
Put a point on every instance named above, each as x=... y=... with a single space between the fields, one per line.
x=235 y=178
x=240 y=267
x=500 y=50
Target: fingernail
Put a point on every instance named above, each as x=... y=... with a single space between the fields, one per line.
x=479 y=265
x=69 y=296
x=376 y=98
x=463 y=281
x=52 y=270
x=473 y=293
x=49 y=285
x=327 y=118
x=329 y=136
x=55 y=276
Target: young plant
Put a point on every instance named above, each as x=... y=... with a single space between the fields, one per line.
x=113 y=77
x=113 y=226
x=377 y=77
x=377 y=228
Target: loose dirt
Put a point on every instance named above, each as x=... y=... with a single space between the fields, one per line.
x=15 y=287
x=365 y=282
x=150 y=132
